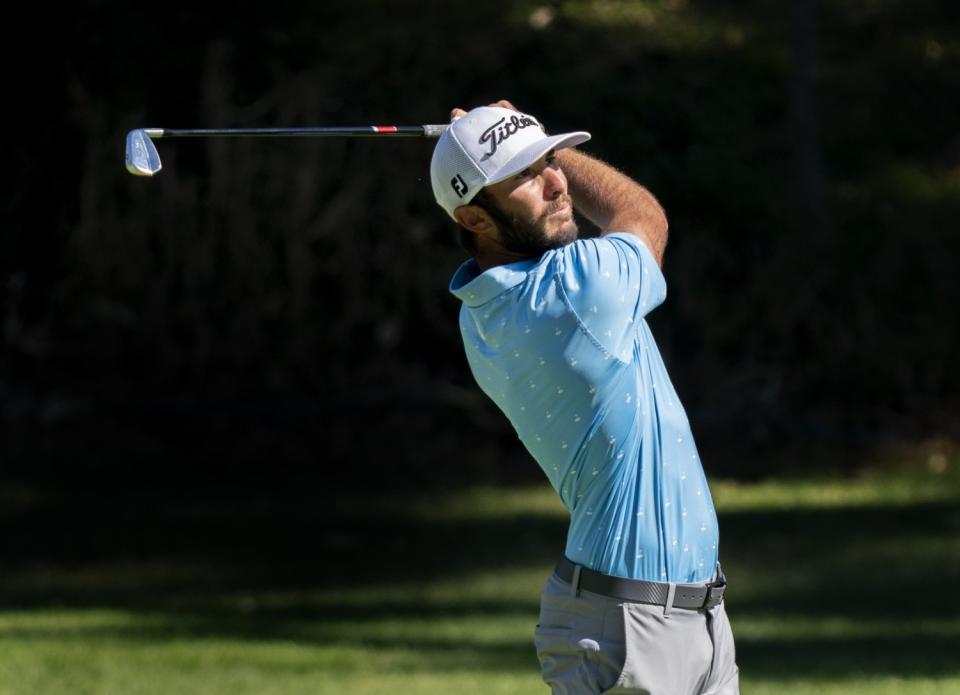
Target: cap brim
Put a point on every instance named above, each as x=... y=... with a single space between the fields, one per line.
x=534 y=151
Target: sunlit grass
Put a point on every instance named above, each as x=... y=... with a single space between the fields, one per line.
x=826 y=493
x=886 y=487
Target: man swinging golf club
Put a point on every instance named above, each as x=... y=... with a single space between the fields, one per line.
x=555 y=335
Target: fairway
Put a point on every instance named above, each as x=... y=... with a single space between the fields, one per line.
x=837 y=586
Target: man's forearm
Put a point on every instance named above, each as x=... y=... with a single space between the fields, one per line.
x=613 y=201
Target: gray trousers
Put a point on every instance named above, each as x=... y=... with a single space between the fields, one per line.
x=595 y=644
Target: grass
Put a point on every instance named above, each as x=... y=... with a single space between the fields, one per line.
x=837 y=586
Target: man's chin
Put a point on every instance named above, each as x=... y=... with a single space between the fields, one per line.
x=535 y=240
x=567 y=234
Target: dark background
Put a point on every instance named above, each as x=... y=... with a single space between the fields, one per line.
x=273 y=316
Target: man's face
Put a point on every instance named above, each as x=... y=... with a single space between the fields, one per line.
x=532 y=209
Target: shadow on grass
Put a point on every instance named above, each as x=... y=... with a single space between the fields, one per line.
x=121 y=552
x=866 y=563
x=265 y=572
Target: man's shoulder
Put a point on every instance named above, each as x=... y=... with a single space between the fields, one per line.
x=624 y=242
x=612 y=256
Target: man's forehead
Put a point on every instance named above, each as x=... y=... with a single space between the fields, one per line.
x=509 y=182
x=550 y=153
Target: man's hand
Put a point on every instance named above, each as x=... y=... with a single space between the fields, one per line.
x=503 y=103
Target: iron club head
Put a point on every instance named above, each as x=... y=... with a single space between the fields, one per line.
x=142 y=156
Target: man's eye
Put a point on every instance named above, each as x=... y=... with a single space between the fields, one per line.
x=523 y=174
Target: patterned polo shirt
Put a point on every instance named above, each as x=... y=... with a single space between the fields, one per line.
x=561 y=345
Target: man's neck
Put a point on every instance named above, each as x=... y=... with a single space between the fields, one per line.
x=490 y=255
x=485 y=261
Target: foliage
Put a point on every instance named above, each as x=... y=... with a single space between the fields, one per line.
x=812 y=293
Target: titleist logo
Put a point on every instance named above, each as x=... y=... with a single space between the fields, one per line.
x=503 y=129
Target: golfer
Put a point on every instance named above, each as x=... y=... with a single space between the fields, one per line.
x=555 y=334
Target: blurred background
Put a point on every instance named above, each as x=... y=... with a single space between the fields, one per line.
x=234 y=393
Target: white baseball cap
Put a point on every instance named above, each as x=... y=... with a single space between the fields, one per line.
x=485 y=146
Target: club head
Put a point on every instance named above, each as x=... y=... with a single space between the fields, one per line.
x=142 y=156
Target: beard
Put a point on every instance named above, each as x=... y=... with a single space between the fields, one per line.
x=528 y=236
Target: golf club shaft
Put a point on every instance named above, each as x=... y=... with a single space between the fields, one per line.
x=428 y=131
x=144 y=160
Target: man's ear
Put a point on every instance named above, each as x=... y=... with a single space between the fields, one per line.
x=475 y=219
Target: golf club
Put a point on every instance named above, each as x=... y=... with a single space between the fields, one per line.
x=143 y=159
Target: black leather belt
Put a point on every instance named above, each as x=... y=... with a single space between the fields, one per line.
x=689 y=596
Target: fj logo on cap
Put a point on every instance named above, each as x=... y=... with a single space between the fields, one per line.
x=459 y=185
x=503 y=129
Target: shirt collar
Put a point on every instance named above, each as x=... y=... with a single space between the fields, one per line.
x=474 y=288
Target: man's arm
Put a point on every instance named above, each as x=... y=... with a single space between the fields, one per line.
x=613 y=201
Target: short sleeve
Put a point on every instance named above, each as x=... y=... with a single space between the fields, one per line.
x=611 y=283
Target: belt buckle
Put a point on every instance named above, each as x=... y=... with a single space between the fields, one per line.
x=714 y=594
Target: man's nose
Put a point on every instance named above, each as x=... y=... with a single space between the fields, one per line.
x=553 y=183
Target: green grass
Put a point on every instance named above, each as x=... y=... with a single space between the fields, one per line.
x=837 y=586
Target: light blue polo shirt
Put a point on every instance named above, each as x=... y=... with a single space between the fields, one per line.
x=561 y=345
